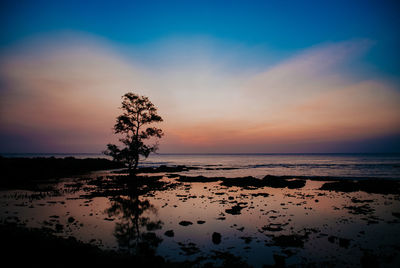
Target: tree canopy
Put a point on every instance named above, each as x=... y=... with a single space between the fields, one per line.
x=134 y=124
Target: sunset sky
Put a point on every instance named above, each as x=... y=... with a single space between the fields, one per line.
x=227 y=76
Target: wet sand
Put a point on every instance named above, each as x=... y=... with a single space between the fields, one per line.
x=217 y=221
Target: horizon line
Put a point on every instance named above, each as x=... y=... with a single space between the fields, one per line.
x=297 y=153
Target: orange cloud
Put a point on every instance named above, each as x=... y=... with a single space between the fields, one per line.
x=72 y=88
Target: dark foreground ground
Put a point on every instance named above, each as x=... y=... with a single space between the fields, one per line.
x=26 y=173
x=39 y=247
x=29 y=247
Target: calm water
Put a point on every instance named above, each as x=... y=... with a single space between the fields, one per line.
x=333 y=165
x=330 y=228
x=258 y=165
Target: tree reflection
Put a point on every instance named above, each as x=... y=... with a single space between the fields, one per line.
x=134 y=231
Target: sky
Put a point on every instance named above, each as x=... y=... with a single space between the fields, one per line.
x=226 y=76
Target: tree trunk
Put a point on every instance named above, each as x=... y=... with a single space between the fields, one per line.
x=131 y=170
x=136 y=164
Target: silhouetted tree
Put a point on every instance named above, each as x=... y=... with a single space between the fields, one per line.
x=134 y=124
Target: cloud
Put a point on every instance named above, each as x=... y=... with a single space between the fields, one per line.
x=66 y=86
x=64 y=90
x=310 y=98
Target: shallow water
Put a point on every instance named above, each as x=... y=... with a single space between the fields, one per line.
x=323 y=227
x=258 y=165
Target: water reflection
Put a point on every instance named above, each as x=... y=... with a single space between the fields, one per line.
x=135 y=230
x=230 y=224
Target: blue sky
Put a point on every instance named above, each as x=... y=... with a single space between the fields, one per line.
x=228 y=76
x=280 y=26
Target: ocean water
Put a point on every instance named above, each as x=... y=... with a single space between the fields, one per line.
x=330 y=165
x=385 y=166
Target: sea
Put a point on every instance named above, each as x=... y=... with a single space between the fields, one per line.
x=344 y=166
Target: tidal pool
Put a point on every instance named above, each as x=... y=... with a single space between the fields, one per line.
x=203 y=222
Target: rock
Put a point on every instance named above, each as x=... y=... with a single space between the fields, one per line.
x=216 y=238
x=282 y=182
x=71 y=219
x=185 y=223
x=235 y=210
x=244 y=182
x=169 y=233
x=201 y=222
x=260 y=194
x=369 y=186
